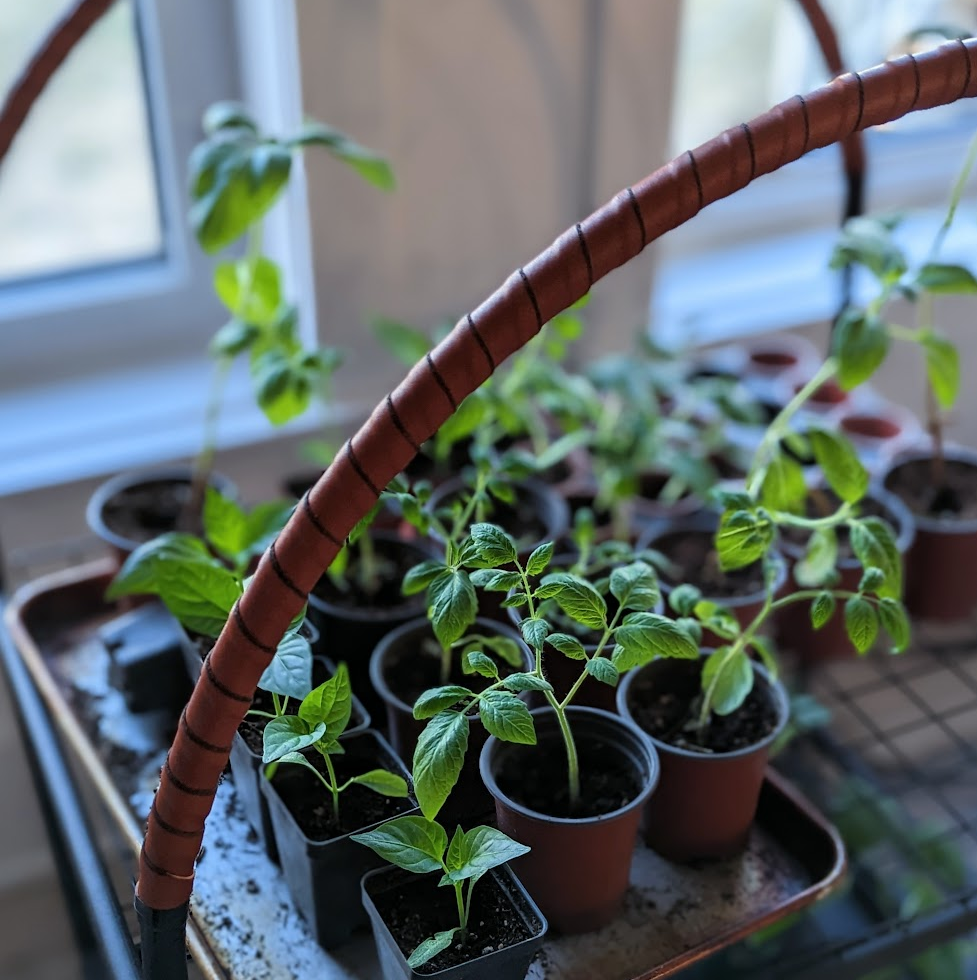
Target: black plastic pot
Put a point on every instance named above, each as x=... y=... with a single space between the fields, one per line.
x=323 y=876
x=705 y=802
x=578 y=868
x=350 y=633
x=509 y=963
x=469 y=800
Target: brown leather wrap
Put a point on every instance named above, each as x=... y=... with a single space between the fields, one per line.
x=436 y=385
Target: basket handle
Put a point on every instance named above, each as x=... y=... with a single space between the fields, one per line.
x=437 y=384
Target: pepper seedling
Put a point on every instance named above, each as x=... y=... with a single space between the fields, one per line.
x=321 y=719
x=421 y=846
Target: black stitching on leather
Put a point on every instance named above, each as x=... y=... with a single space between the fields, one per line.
x=749 y=142
x=220 y=685
x=283 y=576
x=360 y=472
x=638 y=216
x=197 y=740
x=399 y=425
x=247 y=634
x=182 y=786
x=316 y=523
x=586 y=256
x=919 y=82
x=698 y=179
x=807 y=123
x=168 y=827
x=432 y=367
x=481 y=342
x=966 y=58
x=532 y=298
x=861 y=100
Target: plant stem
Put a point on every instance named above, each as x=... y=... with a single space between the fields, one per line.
x=333 y=787
x=573 y=762
x=460 y=902
x=204 y=463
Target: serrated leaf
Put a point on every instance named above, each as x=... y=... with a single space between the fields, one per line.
x=437 y=699
x=942 y=369
x=430 y=948
x=822 y=609
x=861 y=623
x=495 y=580
x=820 y=558
x=892 y=615
x=873 y=579
x=290 y=670
x=860 y=342
x=452 y=605
x=411 y=842
x=476 y=662
x=727 y=679
x=645 y=636
x=717 y=619
x=538 y=561
x=635 y=586
x=784 y=487
x=684 y=598
x=421 y=576
x=506 y=717
x=601 y=669
x=493 y=544
x=383 y=782
x=438 y=758
x=743 y=538
x=526 y=682
x=515 y=601
x=568 y=645
x=874 y=543
x=579 y=600
x=289 y=733
x=840 y=464
x=534 y=632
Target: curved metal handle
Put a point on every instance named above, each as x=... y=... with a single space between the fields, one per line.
x=461 y=362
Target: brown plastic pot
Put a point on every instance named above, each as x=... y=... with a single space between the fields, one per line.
x=831 y=642
x=705 y=802
x=468 y=800
x=940 y=584
x=578 y=869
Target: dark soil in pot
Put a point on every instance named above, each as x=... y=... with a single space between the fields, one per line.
x=694 y=560
x=939 y=585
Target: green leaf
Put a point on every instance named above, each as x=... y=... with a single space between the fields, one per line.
x=225 y=524
x=476 y=662
x=495 y=580
x=472 y=854
x=290 y=670
x=438 y=758
x=873 y=579
x=840 y=464
x=250 y=288
x=330 y=703
x=438 y=698
x=535 y=632
x=822 y=609
x=743 y=538
x=411 y=842
x=861 y=623
x=818 y=563
x=568 y=645
x=139 y=573
x=684 y=598
x=383 y=782
x=942 y=369
x=869 y=242
x=938 y=277
x=579 y=600
x=493 y=544
x=200 y=595
x=295 y=759
x=526 y=682
x=227 y=115
x=601 y=669
x=727 y=679
x=645 y=636
x=765 y=651
x=430 y=948
x=368 y=164
x=896 y=623
x=452 y=605
x=234 y=338
x=860 y=342
x=508 y=650
x=874 y=543
x=784 y=487
x=718 y=619
x=282 y=386
x=289 y=733
x=506 y=717
x=635 y=586
x=406 y=343
x=539 y=559
x=421 y=576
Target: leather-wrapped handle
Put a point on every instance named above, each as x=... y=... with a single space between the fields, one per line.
x=436 y=385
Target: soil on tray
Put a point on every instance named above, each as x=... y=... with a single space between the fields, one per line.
x=821 y=503
x=142 y=512
x=536 y=777
x=667 y=714
x=417 y=909
x=695 y=561
x=955 y=500
x=395 y=560
x=310 y=803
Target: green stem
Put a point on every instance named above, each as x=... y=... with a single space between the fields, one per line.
x=782 y=518
x=460 y=902
x=573 y=762
x=956 y=195
x=333 y=787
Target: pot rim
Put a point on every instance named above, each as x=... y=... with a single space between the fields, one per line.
x=422 y=623
x=641 y=740
x=776 y=688
x=934 y=525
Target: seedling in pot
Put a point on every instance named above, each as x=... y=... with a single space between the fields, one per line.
x=632 y=636
x=320 y=722
x=421 y=846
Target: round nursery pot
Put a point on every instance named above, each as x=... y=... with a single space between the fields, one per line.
x=689 y=545
x=321 y=865
x=351 y=624
x=831 y=642
x=134 y=507
x=405 y=909
x=579 y=866
x=706 y=800
x=783 y=358
x=405 y=663
x=878 y=432
x=940 y=583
